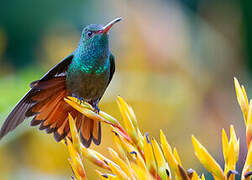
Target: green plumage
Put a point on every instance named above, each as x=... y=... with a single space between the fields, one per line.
x=92 y=66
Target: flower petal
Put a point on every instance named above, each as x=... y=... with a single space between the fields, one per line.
x=128 y=119
x=75 y=161
x=174 y=165
x=95 y=157
x=74 y=133
x=233 y=138
x=149 y=155
x=106 y=176
x=118 y=171
x=206 y=159
x=175 y=154
x=248 y=163
x=241 y=98
x=225 y=145
x=125 y=166
x=163 y=168
x=141 y=173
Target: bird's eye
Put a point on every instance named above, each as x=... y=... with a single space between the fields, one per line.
x=89 y=33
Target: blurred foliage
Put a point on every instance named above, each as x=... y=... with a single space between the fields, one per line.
x=175 y=61
x=247 y=15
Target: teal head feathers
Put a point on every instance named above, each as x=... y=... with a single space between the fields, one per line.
x=94 y=39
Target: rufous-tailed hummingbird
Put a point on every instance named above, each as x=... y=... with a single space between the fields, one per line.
x=85 y=74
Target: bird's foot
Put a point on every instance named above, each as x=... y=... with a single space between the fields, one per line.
x=79 y=99
x=96 y=108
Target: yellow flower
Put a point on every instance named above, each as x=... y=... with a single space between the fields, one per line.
x=207 y=160
x=247 y=169
x=76 y=162
x=172 y=158
x=241 y=98
x=149 y=155
x=230 y=152
x=129 y=119
x=139 y=157
x=247 y=113
x=246 y=109
x=249 y=124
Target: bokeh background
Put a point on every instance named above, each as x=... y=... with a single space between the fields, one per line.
x=175 y=63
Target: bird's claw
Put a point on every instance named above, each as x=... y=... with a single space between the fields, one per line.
x=95 y=106
x=82 y=100
x=96 y=109
x=79 y=99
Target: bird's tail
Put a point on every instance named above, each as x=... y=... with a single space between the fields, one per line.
x=45 y=101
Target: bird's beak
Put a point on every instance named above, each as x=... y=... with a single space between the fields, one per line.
x=109 y=25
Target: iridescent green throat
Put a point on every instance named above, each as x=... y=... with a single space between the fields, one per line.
x=92 y=55
x=94 y=67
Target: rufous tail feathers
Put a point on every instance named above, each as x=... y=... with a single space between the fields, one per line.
x=45 y=101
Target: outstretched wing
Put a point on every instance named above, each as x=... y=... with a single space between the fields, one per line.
x=18 y=114
x=58 y=70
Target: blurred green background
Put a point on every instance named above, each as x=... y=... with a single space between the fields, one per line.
x=175 y=63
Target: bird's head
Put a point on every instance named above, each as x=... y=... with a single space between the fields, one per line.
x=95 y=36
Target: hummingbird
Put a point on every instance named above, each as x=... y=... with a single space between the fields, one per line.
x=84 y=74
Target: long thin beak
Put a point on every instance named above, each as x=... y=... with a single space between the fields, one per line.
x=109 y=25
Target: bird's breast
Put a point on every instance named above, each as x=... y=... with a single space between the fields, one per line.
x=88 y=81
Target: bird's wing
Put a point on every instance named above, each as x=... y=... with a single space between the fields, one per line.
x=58 y=70
x=112 y=67
x=18 y=114
x=45 y=101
